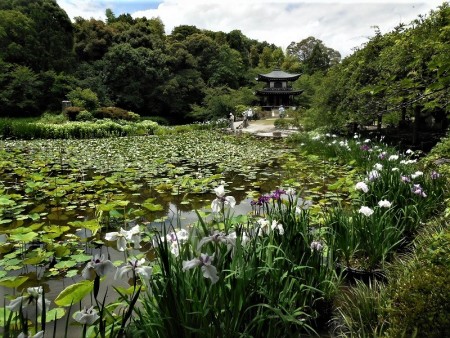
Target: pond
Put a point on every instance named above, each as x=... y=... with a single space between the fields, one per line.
x=59 y=197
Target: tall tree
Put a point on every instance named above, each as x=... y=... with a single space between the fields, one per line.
x=18 y=39
x=134 y=76
x=93 y=38
x=54 y=28
x=313 y=54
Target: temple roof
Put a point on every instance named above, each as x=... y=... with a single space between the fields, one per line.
x=278 y=74
x=278 y=91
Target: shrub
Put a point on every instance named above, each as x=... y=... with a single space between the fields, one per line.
x=420 y=291
x=133 y=116
x=84 y=116
x=48 y=117
x=72 y=112
x=162 y=121
x=85 y=98
x=282 y=123
x=115 y=113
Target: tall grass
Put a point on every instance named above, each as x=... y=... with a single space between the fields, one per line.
x=26 y=129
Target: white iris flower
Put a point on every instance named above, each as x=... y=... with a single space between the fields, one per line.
x=87 y=316
x=137 y=266
x=222 y=200
x=123 y=236
x=32 y=296
x=98 y=266
x=204 y=261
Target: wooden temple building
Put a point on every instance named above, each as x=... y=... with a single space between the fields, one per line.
x=278 y=90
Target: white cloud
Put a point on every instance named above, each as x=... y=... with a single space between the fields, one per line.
x=340 y=24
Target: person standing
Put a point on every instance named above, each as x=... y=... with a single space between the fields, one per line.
x=245 y=122
x=281 y=111
x=232 y=122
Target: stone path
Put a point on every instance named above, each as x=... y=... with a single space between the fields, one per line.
x=264 y=129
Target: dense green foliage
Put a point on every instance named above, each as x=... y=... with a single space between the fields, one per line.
x=195 y=74
x=419 y=295
x=189 y=75
x=58 y=129
x=398 y=77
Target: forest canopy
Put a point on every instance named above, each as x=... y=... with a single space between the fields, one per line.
x=194 y=74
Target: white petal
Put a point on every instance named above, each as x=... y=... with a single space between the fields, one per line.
x=144 y=271
x=136 y=239
x=135 y=230
x=35 y=291
x=111 y=236
x=191 y=264
x=210 y=271
x=121 y=244
x=39 y=304
x=40 y=334
x=122 y=271
x=16 y=304
x=182 y=235
x=88 y=271
x=104 y=268
x=220 y=191
x=216 y=205
x=230 y=201
x=175 y=249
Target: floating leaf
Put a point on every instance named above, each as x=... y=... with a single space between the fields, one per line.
x=74 y=293
x=91 y=225
x=71 y=273
x=81 y=258
x=26 y=238
x=153 y=207
x=13 y=281
x=65 y=264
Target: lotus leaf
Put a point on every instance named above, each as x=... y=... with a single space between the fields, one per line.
x=74 y=293
x=53 y=314
x=13 y=281
x=65 y=264
x=25 y=237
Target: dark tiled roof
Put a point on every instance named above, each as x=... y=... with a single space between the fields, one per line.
x=279 y=91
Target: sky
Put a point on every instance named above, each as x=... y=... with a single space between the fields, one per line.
x=341 y=24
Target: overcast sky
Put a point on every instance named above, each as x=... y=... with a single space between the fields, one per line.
x=340 y=24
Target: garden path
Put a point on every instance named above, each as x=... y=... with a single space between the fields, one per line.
x=263 y=128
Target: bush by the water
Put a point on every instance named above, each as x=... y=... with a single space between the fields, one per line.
x=19 y=129
x=115 y=113
x=420 y=290
x=72 y=112
x=282 y=123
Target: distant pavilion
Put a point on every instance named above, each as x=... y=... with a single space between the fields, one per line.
x=277 y=91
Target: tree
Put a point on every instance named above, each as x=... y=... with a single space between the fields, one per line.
x=134 y=75
x=93 y=38
x=313 y=54
x=205 y=50
x=265 y=59
x=18 y=39
x=181 y=33
x=54 y=28
x=84 y=98
x=19 y=91
x=143 y=33
x=227 y=69
x=278 y=57
x=218 y=103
